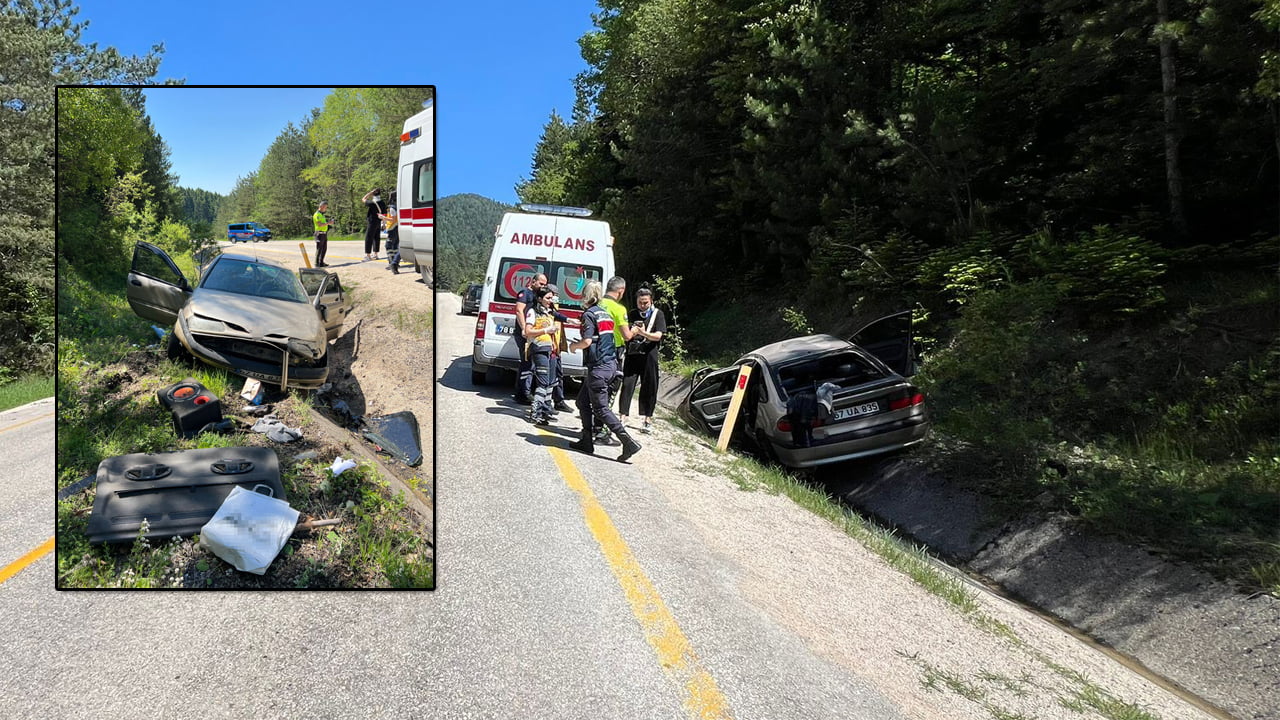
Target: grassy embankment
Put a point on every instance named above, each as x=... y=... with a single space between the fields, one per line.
x=1158 y=427
x=110 y=365
x=23 y=390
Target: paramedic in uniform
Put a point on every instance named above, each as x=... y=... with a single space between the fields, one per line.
x=322 y=233
x=524 y=374
x=600 y=359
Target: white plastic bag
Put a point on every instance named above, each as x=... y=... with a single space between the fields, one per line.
x=249 y=529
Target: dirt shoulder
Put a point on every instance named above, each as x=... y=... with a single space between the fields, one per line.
x=1217 y=642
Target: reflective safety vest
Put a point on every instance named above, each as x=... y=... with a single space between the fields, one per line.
x=322 y=225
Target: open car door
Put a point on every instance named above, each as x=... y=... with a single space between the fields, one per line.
x=157 y=289
x=326 y=294
x=889 y=339
x=709 y=399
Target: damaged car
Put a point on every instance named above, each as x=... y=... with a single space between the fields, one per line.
x=247 y=314
x=820 y=399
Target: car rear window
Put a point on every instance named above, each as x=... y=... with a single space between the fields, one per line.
x=844 y=369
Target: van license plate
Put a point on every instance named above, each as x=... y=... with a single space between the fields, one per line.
x=855 y=411
x=505 y=329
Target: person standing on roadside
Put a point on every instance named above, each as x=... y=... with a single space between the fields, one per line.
x=540 y=327
x=557 y=367
x=392 y=221
x=641 y=362
x=374 y=210
x=622 y=334
x=321 y=224
x=524 y=373
x=600 y=359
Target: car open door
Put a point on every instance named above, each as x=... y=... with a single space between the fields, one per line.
x=889 y=339
x=710 y=396
x=327 y=295
x=157 y=289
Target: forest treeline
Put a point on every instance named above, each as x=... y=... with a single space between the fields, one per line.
x=40 y=48
x=793 y=139
x=464 y=238
x=1078 y=199
x=337 y=153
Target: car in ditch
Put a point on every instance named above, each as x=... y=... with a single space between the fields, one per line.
x=819 y=399
x=247 y=314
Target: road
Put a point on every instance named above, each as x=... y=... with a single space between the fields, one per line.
x=338 y=254
x=569 y=587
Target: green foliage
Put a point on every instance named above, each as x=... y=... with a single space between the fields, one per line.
x=464 y=238
x=797 y=321
x=666 y=292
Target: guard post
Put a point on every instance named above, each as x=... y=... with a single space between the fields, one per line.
x=735 y=402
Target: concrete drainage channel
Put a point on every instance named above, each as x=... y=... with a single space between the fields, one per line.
x=1200 y=638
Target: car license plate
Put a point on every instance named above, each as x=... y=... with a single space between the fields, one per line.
x=856 y=411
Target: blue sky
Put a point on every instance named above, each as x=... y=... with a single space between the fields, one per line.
x=499 y=69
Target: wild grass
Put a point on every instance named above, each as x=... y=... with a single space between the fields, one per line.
x=25 y=389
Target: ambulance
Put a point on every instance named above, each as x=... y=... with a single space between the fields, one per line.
x=560 y=242
x=416 y=190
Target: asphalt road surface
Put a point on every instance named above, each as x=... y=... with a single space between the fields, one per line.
x=338 y=253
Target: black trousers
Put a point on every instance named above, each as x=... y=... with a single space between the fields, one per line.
x=642 y=368
x=372 y=237
x=322 y=245
x=524 y=372
x=593 y=399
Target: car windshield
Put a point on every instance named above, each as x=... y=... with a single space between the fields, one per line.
x=251 y=278
x=845 y=369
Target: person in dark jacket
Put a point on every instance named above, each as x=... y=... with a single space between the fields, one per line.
x=600 y=359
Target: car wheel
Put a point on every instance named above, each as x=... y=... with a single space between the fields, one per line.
x=479 y=377
x=766 y=447
x=175 y=350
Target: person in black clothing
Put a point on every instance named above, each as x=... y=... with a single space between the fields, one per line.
x=524 y=373
x=641 y=363
x=375 y=209
x=599 y=355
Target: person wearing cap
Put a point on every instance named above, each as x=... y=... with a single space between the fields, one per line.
x=321 y=224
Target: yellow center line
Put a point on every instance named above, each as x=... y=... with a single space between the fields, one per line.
x=16 y=566
x=27 y=422
x=700 y=694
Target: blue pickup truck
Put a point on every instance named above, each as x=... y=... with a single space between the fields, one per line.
x=246 y=231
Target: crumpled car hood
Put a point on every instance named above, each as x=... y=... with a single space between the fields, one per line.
x=259 y=318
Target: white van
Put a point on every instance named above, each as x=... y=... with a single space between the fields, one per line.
x=416 y=190
x=557 y=241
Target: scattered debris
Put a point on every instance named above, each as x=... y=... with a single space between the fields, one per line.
x=397 y=435
x=340 y=466
x=249 y=529
x=275 y=429
x=175 y=492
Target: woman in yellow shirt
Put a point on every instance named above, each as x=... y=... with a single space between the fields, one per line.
x=541 y=328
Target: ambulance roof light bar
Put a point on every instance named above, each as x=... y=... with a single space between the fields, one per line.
x=554 y=210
